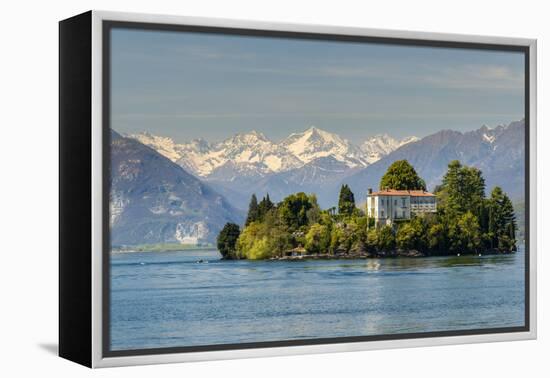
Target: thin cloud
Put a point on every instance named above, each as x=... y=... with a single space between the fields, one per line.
x=333 y=115
x=476 y=77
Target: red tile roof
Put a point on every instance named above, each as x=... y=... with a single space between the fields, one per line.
x=393 y=192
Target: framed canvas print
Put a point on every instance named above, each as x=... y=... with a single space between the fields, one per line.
x=233 y=189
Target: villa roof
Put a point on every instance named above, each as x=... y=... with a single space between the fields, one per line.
x=393 y=192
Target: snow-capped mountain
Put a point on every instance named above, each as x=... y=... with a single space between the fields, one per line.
x=242 y=154
x=498 y=152
x=315 y=143
x=490 y=134
x=379 y=146
x=252 y=154
x=251 y=162
x=153 y=200
x=318 y=161
x=163 y=145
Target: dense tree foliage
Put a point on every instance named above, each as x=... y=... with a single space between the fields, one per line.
x=261 y=240
x=253 y=211
x=402 y=176
x=469 y=222
x=502 y=221
x=264 y=206
x=227 y=240
x=257 y=211
x=412 y=235
x=465 y=222
x=346 y=201
x=386 y=238
x=294 y=210
x=463 y=189
x=318 y=239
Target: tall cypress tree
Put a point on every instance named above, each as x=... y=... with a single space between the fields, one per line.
x=508 y=235
x=502 y=221
x=264 y=206
x=253 y=211
x=346 y=201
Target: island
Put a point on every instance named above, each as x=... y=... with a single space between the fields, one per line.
x=401 y=219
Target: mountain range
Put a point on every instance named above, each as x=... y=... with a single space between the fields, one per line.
x=153 y=200
x=254 y=153
x=319 y=161
x=498 y=152
x=251 y=162
x=163 y=192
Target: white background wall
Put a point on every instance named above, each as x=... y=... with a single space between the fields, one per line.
x=28 y=187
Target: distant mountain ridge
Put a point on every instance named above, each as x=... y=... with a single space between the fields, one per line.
x=498 y=152
x=379 y=146
x=320 y=162
x=254 y=154
x=153 y=200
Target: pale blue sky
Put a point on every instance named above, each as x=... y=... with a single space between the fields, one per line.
x=188 y=85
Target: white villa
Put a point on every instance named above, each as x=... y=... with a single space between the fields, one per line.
x=387 y=206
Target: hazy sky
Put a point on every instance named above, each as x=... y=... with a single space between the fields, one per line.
x=189 y=85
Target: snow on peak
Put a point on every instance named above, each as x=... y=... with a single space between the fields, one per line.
x=254 y=153
x=380 y=145
x=315 y=143
x=407 y=140
x=163 y=145
x=488 y=138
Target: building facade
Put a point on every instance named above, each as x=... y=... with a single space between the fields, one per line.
x=388 y=206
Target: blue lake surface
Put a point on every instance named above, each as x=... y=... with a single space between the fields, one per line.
x=167 y=299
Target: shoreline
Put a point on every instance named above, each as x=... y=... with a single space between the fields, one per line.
x=156 y=250
x=325 y=256
x=384 y=255
x=380 y=256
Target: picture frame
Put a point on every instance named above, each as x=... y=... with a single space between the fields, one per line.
x=85 y=108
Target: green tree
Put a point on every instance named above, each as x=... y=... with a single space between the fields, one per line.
x=227 y=240
x=372 y=240
x=508 y=235
x=265 y=206
x=293 y=210
x=337 y=237
x=262 y=240
x=402 y=176
x=386 y=239
x=411 y=235
x=502 y=221
x=314 y=213
x=346 y=201
x=253 y=211
x=351 y=235
x=469 y=232
x=462 y=190
x=436 y=237
x=318 y=239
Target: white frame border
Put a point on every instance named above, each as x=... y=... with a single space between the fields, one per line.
x=97 y=186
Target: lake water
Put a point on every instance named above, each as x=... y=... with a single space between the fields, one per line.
x=167 y=299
